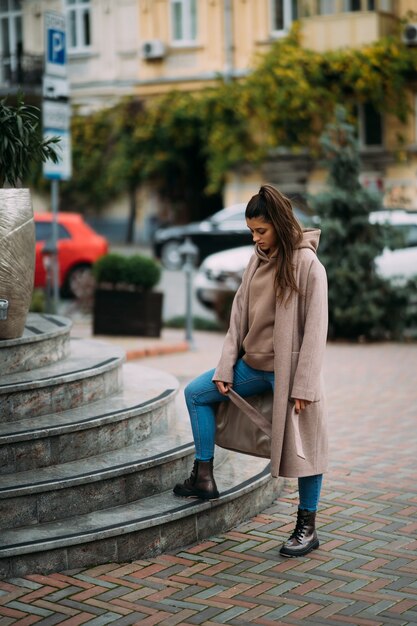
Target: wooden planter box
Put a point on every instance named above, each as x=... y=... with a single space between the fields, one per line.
x=137 y=313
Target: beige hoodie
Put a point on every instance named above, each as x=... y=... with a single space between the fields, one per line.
x=258 y=343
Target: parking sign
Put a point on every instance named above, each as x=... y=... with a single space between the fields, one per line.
x=55 y=48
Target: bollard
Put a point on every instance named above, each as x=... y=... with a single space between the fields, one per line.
x=189 y=252
x=49 y=255
x=4 y=306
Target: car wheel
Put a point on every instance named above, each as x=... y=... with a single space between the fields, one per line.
x=170 y=255
x=79 y=282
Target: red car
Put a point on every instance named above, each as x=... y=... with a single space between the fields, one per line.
x=79 y=246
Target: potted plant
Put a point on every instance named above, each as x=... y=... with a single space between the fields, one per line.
x=124 y=300
x=20 y=145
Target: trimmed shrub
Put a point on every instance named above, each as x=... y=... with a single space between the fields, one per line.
x=136 y=271
x=142 y=271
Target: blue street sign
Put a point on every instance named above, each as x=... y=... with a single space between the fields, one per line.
x=55 y=45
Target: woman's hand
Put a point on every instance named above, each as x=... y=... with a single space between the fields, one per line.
x=300 y=405
x=222 y=387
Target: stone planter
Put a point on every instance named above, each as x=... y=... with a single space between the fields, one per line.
x=119 y=312
x=17 y=259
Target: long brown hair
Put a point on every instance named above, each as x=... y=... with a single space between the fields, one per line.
x=273 y=207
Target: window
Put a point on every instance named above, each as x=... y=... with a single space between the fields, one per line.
x=10 y=38
x=283 y=12
x=327 y=7
x=78 y=24
x=184 y=21
x=43 y=231
x=352 y=5
x=370 y=126
x=386 y=5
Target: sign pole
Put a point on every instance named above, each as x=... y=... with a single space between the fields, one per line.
x=55 y=260
x=56 y=122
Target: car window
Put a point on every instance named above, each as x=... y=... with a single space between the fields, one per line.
x=401 y=236
x=43 y=231
x=411 y=236
x=229 y=215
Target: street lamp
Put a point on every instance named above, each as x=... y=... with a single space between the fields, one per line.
x=49 y=255
x=189 y=254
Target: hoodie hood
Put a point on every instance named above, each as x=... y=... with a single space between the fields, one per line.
x=262 y=256
x=310 y=240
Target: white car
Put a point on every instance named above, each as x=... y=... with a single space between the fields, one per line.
x=222 y=271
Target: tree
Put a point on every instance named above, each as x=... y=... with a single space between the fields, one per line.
x=361 y=303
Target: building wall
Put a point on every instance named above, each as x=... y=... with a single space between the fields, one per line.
x=114 y=65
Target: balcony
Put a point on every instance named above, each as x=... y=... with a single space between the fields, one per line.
x=368 y=21
x=21 y=72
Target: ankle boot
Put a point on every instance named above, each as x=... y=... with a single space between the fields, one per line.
x=200 y=484
x=304 y=537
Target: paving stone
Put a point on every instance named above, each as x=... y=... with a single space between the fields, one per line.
x=362 y=574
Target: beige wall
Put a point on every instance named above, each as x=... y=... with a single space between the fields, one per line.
x=114 y=66
x=109 y=68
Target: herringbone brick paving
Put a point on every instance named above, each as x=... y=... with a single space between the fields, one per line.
x=364 y=573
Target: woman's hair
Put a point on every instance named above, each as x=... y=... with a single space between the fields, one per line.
x=273 y=207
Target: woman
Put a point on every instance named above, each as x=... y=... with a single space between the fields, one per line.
x=276 y=340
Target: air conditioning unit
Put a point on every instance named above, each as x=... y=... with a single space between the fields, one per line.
x=410 y=35
x=153 y=49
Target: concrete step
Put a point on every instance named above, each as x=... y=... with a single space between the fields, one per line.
x=98 y=482
x=45 y=340
x=126 y=417
x=91 y=371
x=141 y=528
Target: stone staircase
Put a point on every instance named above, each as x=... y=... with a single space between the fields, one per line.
x=90 y=449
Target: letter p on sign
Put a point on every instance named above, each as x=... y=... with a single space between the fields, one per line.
x=56 y=46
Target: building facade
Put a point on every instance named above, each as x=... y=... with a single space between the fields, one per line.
x=148 y=47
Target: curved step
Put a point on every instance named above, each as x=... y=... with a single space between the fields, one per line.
x=45 y=340
x=92 y=371
x=127 y=416
x=142 y=528
x=95 y=483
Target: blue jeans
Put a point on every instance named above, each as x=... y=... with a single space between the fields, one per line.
x=201 y=396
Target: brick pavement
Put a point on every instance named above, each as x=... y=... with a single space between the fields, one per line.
x=365 y=572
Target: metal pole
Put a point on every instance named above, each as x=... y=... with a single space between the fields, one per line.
x=55 y=263
x=228 y=41
x=189 y=303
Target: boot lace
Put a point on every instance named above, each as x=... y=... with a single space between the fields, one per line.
x=298 y=532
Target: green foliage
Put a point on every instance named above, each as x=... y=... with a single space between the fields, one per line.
x=21 y=142
x=186 y=143
x=136 y=271
x=199 y=323
x=38 y=302
x=110 y=268
x=142 y=271
x=361 y=303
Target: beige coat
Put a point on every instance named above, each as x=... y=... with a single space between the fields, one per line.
x=297 y=444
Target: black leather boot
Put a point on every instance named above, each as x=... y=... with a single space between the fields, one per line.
x=200 y=484
x=304 y=537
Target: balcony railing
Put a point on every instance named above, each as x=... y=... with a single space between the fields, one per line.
x=21 y=69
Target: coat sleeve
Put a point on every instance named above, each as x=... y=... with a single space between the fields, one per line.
x=233 y=341
x=306 y=384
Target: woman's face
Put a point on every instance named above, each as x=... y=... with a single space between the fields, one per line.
x=263 y=234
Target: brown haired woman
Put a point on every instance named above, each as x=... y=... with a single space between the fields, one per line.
x=279 y=324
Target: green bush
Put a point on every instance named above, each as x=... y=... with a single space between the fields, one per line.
x=199 y=323
x=136 y=270
x=110 y=268
x=38 y=304
x=141 y=271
